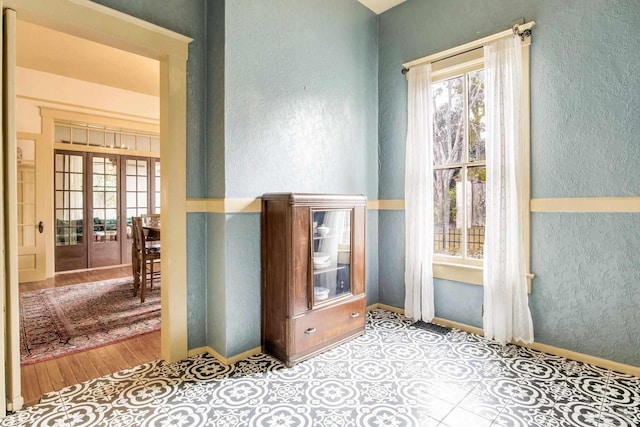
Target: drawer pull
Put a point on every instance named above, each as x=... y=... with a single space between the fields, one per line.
x=310 y=331
x=355 y=314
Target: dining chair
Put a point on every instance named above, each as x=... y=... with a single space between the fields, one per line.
x=148 y=253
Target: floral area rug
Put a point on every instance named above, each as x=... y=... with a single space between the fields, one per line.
x=60 y=321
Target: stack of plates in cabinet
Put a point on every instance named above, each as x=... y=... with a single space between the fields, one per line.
x=320 y=293
x=321 y=259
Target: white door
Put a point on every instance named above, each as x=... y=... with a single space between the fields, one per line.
x=31 y=222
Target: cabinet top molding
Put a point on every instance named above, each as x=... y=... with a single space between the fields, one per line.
x=315 y=198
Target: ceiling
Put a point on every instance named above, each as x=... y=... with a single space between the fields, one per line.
x=379 y=6
x=51 y=51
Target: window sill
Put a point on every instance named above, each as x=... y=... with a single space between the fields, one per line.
x=471 y=274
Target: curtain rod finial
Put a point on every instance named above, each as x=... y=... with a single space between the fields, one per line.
x=405 y=70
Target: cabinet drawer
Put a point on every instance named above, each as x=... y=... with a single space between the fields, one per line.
x=324 y=325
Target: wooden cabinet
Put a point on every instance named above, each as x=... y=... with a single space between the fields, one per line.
x=313 y=272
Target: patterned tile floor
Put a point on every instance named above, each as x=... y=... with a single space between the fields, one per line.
x=394 y=375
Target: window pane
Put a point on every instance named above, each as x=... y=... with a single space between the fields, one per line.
x=75 y=164
x=131 y=167
x=79 y=136
x=142 y=200
x=447 y=224
x=111 y=199
x=448 y=121
x=142 y=168
x=476 y=211
x=60 y=181
x=110 y=167
x=155 y=145
x=129 y=141
x=143 y=143
x=131 y=201
x=98 y=200
x=63 y=134
x=131 y=183
x=75 y=199
x=96 y=138
x=111 y=182
x=75 y=181
x=477 y=124
x=98 y=165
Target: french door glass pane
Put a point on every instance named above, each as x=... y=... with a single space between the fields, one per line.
x=68 y=199
x=105 y=212
x=157 y=186
x=137 y=193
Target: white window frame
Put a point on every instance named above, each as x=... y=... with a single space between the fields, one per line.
x=450 y=68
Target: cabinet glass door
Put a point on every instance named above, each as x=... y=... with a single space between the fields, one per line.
x=331 y=257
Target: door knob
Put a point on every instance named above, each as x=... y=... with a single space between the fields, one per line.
x=40 y=227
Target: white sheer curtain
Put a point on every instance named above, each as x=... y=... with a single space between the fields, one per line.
x=418 y=196
x=506 y=309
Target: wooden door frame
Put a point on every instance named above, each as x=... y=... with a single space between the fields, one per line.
x=98 y=23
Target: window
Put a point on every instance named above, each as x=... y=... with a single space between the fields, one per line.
x=102 y=137
x=460 y=166
x=459 y=162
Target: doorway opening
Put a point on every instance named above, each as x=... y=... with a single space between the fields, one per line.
x=97 y=23
x=92 y=164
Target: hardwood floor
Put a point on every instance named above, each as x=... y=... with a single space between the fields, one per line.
x=78 y=277
x=51 y=375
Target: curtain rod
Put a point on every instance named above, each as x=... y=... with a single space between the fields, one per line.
x=523 y=31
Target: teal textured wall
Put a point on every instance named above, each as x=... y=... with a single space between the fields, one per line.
x=196 y=279
x=242 y=254
x=216 y=293
x=215 y=91
x=301 y=97
x=584 y=127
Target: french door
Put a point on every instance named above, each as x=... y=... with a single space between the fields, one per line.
x=96 y=196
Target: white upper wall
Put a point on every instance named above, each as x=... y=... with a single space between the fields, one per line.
x=36 y=89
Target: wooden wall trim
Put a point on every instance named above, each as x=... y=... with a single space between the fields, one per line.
x=569 y=204
x=253 y=205
x=587 y=204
